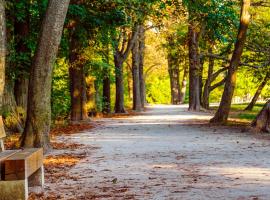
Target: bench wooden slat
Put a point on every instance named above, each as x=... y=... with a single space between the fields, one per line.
x=23 y=164
x=7 y=153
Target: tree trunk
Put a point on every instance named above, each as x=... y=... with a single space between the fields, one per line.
x=78 y=92
x=206 y=91
x=91 y=105
x=174 y=80
x=137 y=105
x=106 y=92
x=184 y=86
x=120 y=55
x=119 y=82
x=37 y=129
x=2 y=62
x=201 y=79
x=21 y=91
x=194 y=69
x=258 y=93
x=77 y=82
x=141 y=64
x=107 y=85
x=222 y=113
x=262 y=121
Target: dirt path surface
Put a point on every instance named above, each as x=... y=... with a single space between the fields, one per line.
x=166 y=154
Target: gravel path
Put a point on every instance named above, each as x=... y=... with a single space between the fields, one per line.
x=169 y=153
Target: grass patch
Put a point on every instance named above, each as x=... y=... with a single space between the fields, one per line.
x=238 y=112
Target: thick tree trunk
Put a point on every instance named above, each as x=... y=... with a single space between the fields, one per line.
x=184 y=86
x=206 y=90
x=194 y=69
x=258 y=92
x=222 y=113
x=78 y=93
x=141 y=64
x=119 y=82
x=77 y=83
x=262 y=121
x=37 y=129
x=2 y=63
x=137 y=105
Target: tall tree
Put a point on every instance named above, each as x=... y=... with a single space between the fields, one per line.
x=222 y=113
x=121 y=52
x=141 y=64
x=137 y=104
x=173 y=68
x=194 y=66
x=77 y=80
x=36 y=133
x=2 y=62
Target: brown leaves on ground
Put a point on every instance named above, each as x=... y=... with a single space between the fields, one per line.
x=71 y=129
x=62 y=145
x=57 y=166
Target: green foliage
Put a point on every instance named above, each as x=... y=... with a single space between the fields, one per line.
x=60 y=90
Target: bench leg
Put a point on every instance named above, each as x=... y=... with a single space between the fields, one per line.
x=37 y=179
x=11 y=190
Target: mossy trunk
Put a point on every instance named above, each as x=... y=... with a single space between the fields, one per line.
x=38 y=122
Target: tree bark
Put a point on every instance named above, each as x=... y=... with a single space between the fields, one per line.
x=194 y=69
x=36 y=133
x=222 y=113
x=77 y=82
x=119 y=101
x=262 y=121
x=141 y=64
x=107 y=85
x=2 y=61
x=184 y=86
x=258 y=92
x=206 y=91
x=174 y=80
x=137 y=105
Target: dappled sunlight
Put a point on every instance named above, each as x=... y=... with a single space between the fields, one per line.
x=241 y=173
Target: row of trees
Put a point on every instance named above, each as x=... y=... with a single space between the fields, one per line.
x=102 y=42
x=210 y=38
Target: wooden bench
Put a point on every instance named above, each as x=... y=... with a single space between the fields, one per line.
x=19 y=170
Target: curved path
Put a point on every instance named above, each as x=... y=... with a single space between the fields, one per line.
x=169 y=153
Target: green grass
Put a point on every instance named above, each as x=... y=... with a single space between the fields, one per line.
x=238 y=113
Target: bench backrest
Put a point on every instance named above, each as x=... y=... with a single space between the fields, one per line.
x=2 y=135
